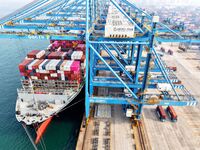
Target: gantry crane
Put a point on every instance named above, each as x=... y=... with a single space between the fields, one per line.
x=119 y=69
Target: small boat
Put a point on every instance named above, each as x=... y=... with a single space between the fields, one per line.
x=42 y=129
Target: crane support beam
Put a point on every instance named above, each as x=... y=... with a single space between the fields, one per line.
x=113 y=100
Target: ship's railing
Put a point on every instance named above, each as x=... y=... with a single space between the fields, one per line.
x=49 y=84
x=46 y=91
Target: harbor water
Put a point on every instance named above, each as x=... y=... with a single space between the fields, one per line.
x=62 y=132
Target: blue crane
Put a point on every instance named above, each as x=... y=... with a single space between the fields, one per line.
x=129 y=77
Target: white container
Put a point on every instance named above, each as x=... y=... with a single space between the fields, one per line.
x=49 y=47
x=155 y=19
x=128 y=95
x=62 y=76
x=164 y=87
x=40 y=54
x=67 y=66
x=125 y=56
x=84 y=64
x=54 y=64
x=130 y=67
x=54 y=75
x=31 y=64
x=59 y=49
x=47 y=67
x=129 y=113
x=63 y=55
x=126 y=91
x=29 y=58
x=76 y=55
x=43 y=71
x=34 y=77
x=62 y=65
x=40 y=66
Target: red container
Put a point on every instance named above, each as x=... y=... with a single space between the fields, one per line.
x=42 y=75
x=172 y=68
x=172 y=113
x=53 y=78
x=52 y=71
x=33 y=53
x=59 y=75
x=54 y=55
x=69 y=45
x=67 y=73
x=22 y=65
x=23 y=74
x=178 y=82
x=81 y=42
x=161 y=113
x=29 y=71
x=38 y=75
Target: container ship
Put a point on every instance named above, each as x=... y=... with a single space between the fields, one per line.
x=50 y=79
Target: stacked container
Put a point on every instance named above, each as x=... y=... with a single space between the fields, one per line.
x=36 y=54
x=55 y=65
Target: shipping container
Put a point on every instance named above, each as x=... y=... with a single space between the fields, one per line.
x=161 y=113
x=164 y=87
x=22 y=65
x=33 y=53
x=54 y=63
x=172 y=114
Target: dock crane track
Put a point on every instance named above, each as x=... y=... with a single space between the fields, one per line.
x=142 y=135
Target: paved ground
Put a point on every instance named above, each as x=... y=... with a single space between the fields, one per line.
x=121 y=131
x=185 y=134
x=120 y=136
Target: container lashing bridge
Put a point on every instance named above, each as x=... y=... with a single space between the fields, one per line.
x=121 y=59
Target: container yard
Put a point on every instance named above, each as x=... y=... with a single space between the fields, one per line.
x=133 y=66
x=187 y=124
x=178 y=17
